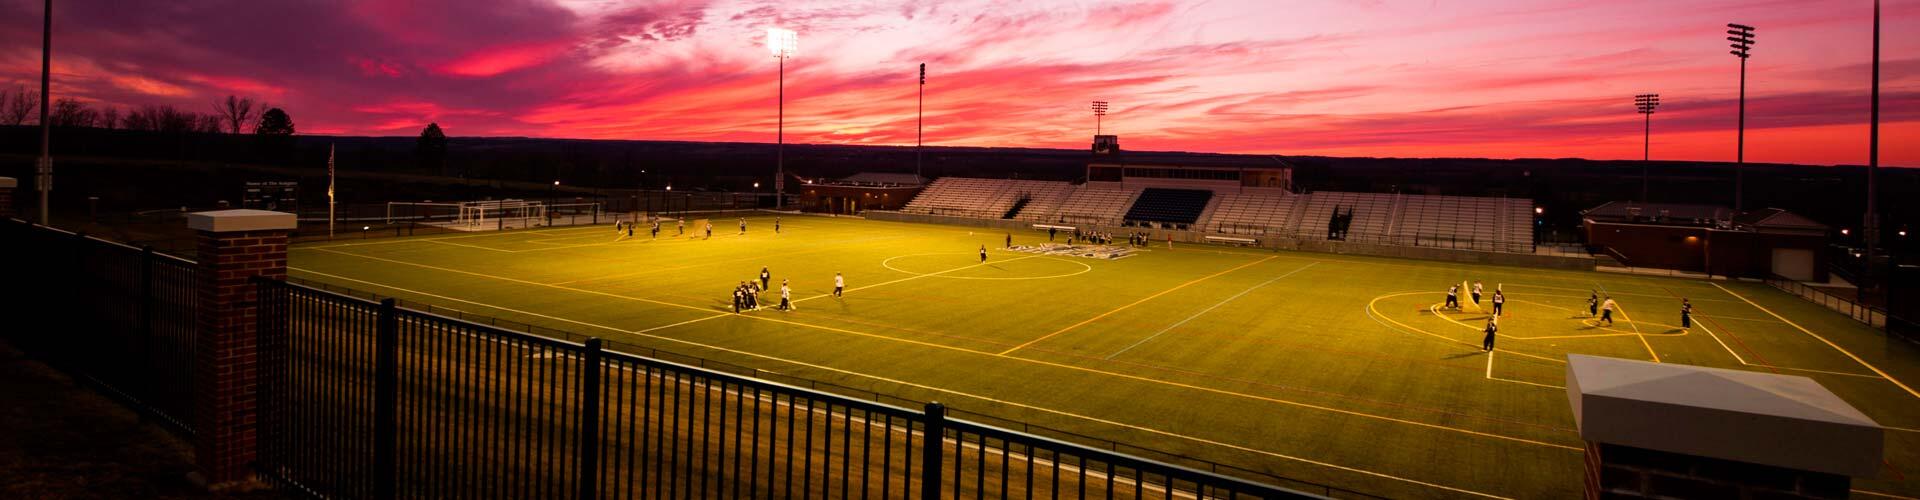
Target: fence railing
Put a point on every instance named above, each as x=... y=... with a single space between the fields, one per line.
x=128 y=316
x=367 y=399
x=1872 y=316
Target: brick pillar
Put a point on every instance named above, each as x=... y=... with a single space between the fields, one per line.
x=234 y=246
x=7 y=185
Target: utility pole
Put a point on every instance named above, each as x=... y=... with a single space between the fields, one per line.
x=45 y=167
x=1872 y=224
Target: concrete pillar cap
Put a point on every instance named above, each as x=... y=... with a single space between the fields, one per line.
x=228 y=221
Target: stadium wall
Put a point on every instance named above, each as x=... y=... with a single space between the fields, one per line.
x=1281 y=243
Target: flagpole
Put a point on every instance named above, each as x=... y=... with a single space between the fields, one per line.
x=330 y=203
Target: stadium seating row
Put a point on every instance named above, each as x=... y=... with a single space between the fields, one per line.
x=1477 y=223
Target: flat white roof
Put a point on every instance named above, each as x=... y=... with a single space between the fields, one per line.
x=1763 y=418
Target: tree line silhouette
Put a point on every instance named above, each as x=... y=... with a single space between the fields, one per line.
x=233 y=115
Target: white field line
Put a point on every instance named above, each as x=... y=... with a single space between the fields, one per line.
x=1203 y=312
x=1822 y=340
x=1041 y=409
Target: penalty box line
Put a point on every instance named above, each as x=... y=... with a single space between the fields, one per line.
x=1149 y=430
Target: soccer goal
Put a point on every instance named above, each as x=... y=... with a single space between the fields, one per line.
x=498 y=214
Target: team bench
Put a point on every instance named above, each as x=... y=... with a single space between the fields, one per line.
x=1233 y=240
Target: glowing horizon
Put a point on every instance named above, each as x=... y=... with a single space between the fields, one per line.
x=1378 y=78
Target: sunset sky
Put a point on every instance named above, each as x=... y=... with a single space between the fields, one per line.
x=1502 y=79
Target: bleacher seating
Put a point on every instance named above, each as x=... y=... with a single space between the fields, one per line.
x=981 y=198
x=1174 y=206
x=1094 y=206
x=1253 y=213
x=1475 y=223
x=1371 y=214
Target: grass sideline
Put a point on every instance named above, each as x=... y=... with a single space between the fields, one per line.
x=1303 y=365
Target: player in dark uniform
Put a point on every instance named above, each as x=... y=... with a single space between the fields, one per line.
x=1593 y=305
x=1453 y=297
x=739 y=296
x=630 y=229
x=776 y=225
x=1476 y=293
x=1050 y=232
x=1493 y=328
x=1686 y=314
x=765 y=277
x=983 y=254
x=1009 y=240
x=1499 y=300
x=743 y=225
x=656 y=230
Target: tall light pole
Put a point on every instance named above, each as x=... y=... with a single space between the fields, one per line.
x=1099 y=111
x=1742 y=42
x=44 y=169
x=1646 y=103
x=920 y=123
x=1872 y=224
x=783 y=43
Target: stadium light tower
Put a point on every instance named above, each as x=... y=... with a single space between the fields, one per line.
x=1646 y=103
x=1099 y=111
x=783 y=43
x=1872 y=222
x=920 y=122
x=1742 y=38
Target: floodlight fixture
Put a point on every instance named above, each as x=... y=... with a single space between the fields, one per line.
x=1646 y=103
x=782 y=43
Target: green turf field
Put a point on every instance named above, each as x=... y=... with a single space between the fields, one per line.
x=1327 y=368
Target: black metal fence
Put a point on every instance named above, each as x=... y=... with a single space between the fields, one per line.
x=366 y=399
x=128 y=315
x=1870 y=315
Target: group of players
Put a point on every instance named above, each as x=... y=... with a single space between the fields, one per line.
x=627 y=228
x=1597 y=306
x=746 y=297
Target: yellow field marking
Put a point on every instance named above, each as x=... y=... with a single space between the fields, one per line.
x=1535 y=384
x=642 y=333
x=1371 y=307
x=1822 y=340
x=439 y=242
x=1435 y=309
x=1084 y=268
x=709 y=263
x=1130 y=305
x=521 y=281
x=1636 y=330
x=1886 y=495
x=442 y=238
x=1001 y=355
x=915 y=277
x=1624 y=294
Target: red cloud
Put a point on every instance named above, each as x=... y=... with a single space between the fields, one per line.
x=501 y=59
